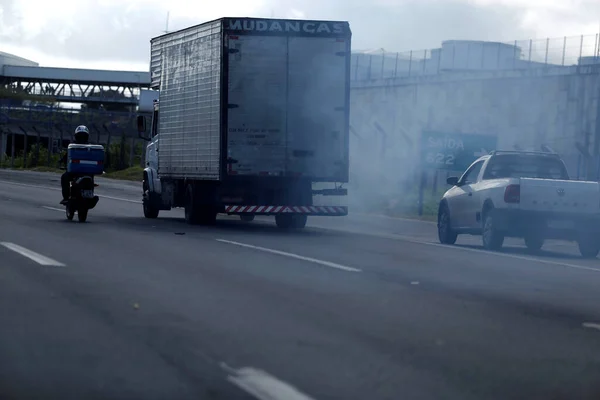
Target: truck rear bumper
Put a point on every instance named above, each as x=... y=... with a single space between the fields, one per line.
x=551 y=225
x=330 y=211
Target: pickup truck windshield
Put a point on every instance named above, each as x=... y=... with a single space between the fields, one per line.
x=525 y=166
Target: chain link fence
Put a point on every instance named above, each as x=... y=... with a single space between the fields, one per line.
x=462 y=56
x=37 y=136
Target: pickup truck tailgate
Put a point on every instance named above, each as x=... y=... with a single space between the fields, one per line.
x=560 y=196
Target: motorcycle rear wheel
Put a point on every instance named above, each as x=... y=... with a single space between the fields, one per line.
x=82 y=214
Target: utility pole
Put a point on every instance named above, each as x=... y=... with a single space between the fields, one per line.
x=167 y=23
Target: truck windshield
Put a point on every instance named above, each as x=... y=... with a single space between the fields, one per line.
x=525 y=166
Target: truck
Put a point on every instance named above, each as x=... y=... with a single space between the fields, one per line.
x=252 y=118
x=521 y=194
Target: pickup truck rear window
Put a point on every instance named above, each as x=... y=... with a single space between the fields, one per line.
x=525 y=166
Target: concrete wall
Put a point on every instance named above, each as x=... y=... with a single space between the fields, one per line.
x=527 y=108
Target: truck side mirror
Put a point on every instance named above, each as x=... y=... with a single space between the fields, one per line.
x=141 y=127
x=452 y=181
x=141 y=123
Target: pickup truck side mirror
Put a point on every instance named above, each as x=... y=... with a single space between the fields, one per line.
x=452 y=181
x=141 y=127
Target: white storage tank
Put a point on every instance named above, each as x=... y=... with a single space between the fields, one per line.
x=472 y=55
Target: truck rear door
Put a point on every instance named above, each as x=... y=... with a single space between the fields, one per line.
x=317 y=108
x=257 y=98
x=288 y=100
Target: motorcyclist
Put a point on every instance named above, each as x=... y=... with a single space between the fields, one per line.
x=81 y=136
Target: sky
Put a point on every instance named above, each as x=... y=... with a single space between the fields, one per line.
x=115 y=34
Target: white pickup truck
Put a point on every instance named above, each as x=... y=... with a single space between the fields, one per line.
x=521 y=194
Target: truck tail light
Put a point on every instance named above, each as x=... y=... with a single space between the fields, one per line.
x=512 y=194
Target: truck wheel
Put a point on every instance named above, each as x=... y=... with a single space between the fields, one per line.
x=247 y=217
x=534 y=242
x=492 y=238
x=290 y=221
x=300 y=221
x=589 y=246
x=446 y=234
x=149 y=210
x=207 y=216
x=191 y=210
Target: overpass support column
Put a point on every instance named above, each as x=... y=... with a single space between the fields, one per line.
x=3 y=143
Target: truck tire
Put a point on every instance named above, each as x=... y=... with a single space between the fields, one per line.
x=300 y=221
x=207 y=216
x=491 y=237
x=192 y=216
x=446 y=234
x=589 y=246
x=247 y=217
x=150 y=210
x=534 y=242
x=290 y=221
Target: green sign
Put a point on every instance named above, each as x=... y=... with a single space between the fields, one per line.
x=454 y=151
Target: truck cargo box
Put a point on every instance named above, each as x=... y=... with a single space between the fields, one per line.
x=85 y=159
x=254 y=97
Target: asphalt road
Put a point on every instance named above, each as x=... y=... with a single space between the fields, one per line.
x=356 y=308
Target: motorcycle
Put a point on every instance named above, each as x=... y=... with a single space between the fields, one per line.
x=81 y=197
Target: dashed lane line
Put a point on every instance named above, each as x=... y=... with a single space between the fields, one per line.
x=32 y=255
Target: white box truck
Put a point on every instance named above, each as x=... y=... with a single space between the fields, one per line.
x=252 y=118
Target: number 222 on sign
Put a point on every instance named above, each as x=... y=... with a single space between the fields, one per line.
x=440 y=158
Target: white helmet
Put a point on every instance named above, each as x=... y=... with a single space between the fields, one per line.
x=82 y=134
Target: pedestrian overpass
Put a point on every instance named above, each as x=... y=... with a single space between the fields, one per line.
x=70 y=85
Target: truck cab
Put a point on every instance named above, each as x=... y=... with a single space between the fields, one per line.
x=151 y=182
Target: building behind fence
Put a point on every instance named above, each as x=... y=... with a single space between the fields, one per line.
x=469 y=55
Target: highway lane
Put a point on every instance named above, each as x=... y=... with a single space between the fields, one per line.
x=381 y=226
x=146 y=308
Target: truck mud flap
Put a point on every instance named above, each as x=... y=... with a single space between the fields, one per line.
x=274 y=210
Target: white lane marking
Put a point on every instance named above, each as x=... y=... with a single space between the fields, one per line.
x=292 y=255
x=53 y=209
x=53 y=188
x=381 y=235
x=458 y=248
x=591 y=325
x=264 y=386
x=513 y=256
x=28 y=185
x=120 y=199
x=423 y=221
x=38 y=258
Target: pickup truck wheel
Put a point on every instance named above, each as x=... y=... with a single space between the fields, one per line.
x=492 y=238
x=534 y=242
x=446 y=234
x=589 y=247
